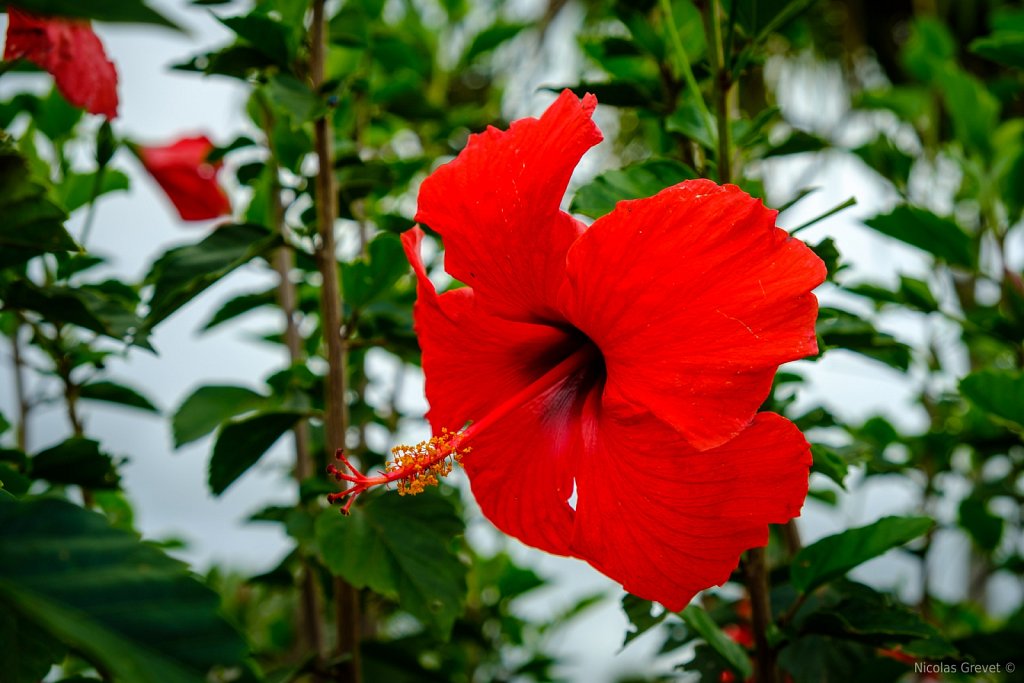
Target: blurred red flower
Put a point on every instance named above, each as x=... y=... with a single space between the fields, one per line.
x=70 y=51
x=189 y=180
x=611 y=374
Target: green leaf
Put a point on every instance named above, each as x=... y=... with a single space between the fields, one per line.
x=240 y=305
x=400 y=547
x=241 y=443
x=295 y=97
x=863 y=614
x=1005 y=47
x=115 y=11
x=27 y=651
x=76 y=461
x=55 y=116
x=699 y=621
x=76 y=189
x=112 y=392
x=828 y=462
x=890 y=162
x=31 y=224
x=839 y=329
x=365 y=280
x=55 y=304
x=183 y=272
x=120 y=603
x=833 y=556
x=999 y=393
x=921 y=228
x=490 y=38
x=645 y=179
x=638 y=612
x=207 y=407
x=972 y=107
x=265 y=34
x=985 y=528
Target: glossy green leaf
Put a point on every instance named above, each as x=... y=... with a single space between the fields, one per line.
x=999 y=393
x=645 y=179
x=401 y=547
x=264 y=33
x=207 y=407
x=241 y=443
x=921 y=228
x=120 y=603
x=702 y=624
x=366 y=280
x=181 y=273
x=839 y=329
x=111 y=392
x=77 y=461
x=833 y=556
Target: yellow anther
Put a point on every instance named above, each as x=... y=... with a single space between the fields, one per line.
x=425 y=463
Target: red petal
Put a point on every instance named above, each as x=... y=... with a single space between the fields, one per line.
x=187 y=178
x=694 y=297
x=71 y=52
x=668 y=521
x=497 y=207
x=520 y=472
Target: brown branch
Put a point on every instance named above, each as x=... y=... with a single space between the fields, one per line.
x=336 y=418
x=20 y=392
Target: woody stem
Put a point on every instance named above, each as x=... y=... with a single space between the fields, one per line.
x=347 y=608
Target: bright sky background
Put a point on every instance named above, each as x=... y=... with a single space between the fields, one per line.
x=168 y=488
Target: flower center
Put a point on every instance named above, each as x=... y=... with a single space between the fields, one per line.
x=414 y=468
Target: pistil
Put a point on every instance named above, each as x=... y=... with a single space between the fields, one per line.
x=413 y=468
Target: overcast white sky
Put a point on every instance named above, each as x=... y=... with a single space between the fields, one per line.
x=168 y=488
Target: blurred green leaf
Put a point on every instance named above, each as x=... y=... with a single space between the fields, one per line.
x=365 y=280
x=833 y=556
x=241 y=304
x=75 y=191
x=645 y=179
x=828 y=462
x=638 y=613
x=1005 y=47
x=490 y=38
x=839 y=329
x=120 y=603
x=295 y=97
x=698 y=620
x=76 y=461
x=400 y=547
x=181 y=273
x=921 y=228
x=998 y=392
x=984 y=528
x=264 y=33
x=111 y=392
x=26 y=650
x=31 y=224
x=117 y=11
x=241 y=443
x=207 y=407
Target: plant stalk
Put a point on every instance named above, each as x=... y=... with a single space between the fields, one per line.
x=756 y=576
x=309 y=624
x=20 y=392
x=336 y=408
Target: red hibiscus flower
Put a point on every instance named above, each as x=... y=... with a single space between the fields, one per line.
x=188 y=179
x=611 y=374
x=70 y=51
